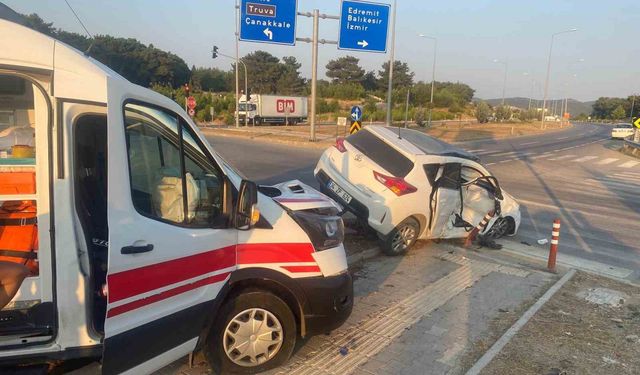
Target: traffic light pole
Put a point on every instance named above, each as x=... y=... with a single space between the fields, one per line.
x=216 y=53
x=314 y=63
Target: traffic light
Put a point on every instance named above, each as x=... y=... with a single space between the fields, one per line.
x=214 y=53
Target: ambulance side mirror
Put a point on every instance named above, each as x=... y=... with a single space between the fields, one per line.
x=246 y=212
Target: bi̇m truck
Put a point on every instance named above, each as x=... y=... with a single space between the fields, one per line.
x=273 y=109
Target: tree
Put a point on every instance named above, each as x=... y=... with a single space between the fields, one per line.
x=402 y=75
x=345 y=70
x=603 y=107
x=369 y=81
x=264 y=72
x=290 y=81
x=483 y=112
x=618 y=113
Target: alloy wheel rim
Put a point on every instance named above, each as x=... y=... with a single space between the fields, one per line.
x=403 y=238
x=498 y=229
x=253 y=337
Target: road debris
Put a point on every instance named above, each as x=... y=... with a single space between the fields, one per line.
x=603 y=296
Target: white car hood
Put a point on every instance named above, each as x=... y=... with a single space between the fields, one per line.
x=297 y=196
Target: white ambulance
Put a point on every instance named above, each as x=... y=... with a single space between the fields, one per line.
x=143 y=244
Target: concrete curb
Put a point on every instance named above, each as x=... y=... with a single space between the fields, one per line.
x=511 y=332
x=363 y=255
x=305 y=144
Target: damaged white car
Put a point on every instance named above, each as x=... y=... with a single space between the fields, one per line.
x=407 y=186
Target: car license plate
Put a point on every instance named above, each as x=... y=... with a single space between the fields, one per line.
x=339 y=191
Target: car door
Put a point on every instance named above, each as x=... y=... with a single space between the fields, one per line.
x=478 y=194
x=171 y=249
x=445 y=200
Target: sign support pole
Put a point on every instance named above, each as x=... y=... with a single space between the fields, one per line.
x=314 y=74
x=391 y=63
x=237 y=59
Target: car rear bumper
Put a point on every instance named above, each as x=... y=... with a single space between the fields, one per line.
x=356 y=207
x=329 y=302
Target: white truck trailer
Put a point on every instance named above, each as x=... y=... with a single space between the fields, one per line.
x=273 y=109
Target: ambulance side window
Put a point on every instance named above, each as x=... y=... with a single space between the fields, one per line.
x=165 y=161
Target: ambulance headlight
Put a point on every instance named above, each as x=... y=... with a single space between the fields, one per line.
x=325 y=231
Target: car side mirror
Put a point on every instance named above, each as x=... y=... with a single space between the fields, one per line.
x=246 y=212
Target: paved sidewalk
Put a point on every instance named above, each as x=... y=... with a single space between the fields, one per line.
x=435 y=310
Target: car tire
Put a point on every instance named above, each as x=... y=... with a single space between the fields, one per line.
x=401 y=238
x=501 y=227
x=279 y=335
x=257 y=121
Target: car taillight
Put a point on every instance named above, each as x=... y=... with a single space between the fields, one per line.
x=340 y=144
x=397 y=185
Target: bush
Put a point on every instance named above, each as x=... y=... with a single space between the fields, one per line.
x=483 y=112
x=420 y=116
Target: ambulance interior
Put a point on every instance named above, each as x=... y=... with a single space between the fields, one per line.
x=18 y=207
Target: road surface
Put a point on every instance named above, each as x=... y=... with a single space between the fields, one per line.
x=576 y=175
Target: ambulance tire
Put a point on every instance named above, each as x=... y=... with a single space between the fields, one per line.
x=401 y=238
x=254 y=299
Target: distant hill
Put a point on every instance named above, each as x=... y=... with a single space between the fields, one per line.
x=575 y=107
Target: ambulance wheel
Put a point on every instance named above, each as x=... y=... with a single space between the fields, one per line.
x=401 y=237
x=256 y=332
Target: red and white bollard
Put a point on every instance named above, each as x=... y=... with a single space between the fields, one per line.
x=474 y=232
x=553 y=249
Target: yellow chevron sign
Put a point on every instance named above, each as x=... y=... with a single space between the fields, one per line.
x=355 y=126
x=636 y=122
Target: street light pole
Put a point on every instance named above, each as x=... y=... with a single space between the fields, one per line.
x=546 y=82
x=504 y=84
x=433 y=73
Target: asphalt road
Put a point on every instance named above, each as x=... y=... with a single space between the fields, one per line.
x=576 y=175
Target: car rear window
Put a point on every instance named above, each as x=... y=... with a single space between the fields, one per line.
x=381 y=153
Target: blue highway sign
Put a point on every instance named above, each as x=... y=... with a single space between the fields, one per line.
x=364 y=26
x=356 y=113
x=268 y=21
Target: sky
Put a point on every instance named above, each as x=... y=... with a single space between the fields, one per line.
x=602 y=58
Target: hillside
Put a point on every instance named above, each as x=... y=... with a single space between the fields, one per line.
x=575 y=107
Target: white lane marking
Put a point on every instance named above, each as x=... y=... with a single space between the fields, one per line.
x=529 y=143
x=562 y=157
x=588 y=212
x=629 y=164
x=562 y=138
x=622 y=186
x=607 y=161
x=476 y=151
x=505 y=153
x=629 y=175
x=584 y=158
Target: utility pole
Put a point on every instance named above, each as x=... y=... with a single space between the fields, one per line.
x=391 y=63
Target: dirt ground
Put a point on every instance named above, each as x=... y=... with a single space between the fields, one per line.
x=570 y=335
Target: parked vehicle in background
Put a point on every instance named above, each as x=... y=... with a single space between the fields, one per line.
x=622 y=131
x=273 y=109
x=407 y=186
x=143 y=245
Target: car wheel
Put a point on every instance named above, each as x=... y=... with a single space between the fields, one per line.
x=401 y=237
x=257 y=121
x=501 y=227
x=255 y=332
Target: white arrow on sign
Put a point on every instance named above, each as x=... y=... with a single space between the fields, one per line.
x=363 y=44
x=268 y=33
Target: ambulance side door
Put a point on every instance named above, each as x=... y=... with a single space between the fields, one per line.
x=171 y=246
